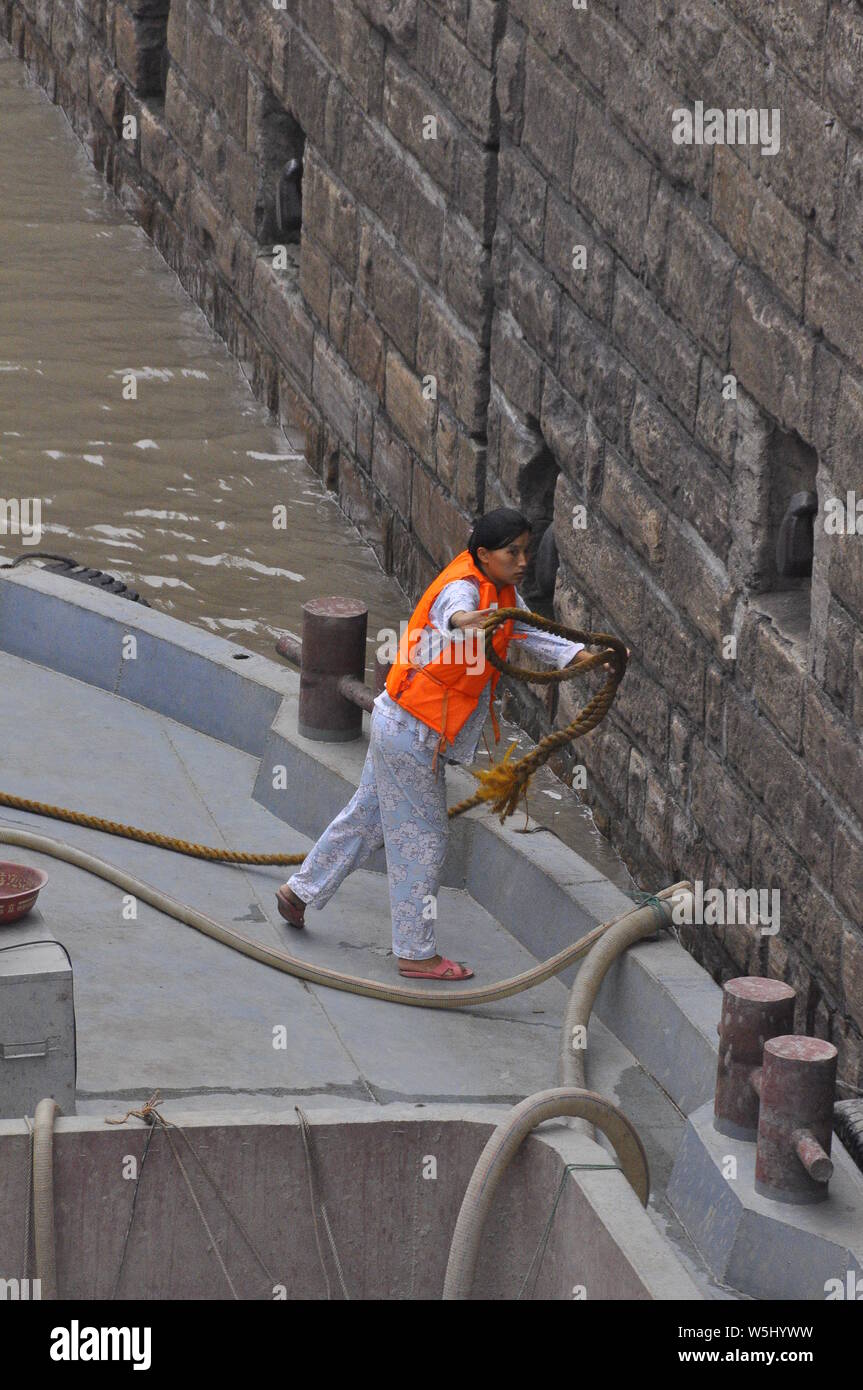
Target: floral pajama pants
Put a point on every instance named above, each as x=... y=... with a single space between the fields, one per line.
x=400 y=804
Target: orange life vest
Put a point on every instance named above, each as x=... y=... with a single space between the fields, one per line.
x=445 y=692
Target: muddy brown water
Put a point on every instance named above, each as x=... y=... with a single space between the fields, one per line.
x=173 y=491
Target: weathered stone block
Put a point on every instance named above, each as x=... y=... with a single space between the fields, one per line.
x=534 y=302
x=352 y=47
x=515 y=367
x=632 y=508
x=848 y=870
x=566 y=233
x=458 y=363
x=362 y=503
x=842 y=63
x=277 y=305
x=716 y=420
x=160 y=156
x=673 y=653
x=242 y=186
x=396 y=18
x=235 y=258
x=611 y=182
x=334 y=389
x=484 y=27
x=389 y=287
x=522 y=193
x=657 y=346
x=771 y=354
x=438 y=524
x=315 y=279
x=367 y=349
x=330 y=215
x=834 y=301
x=461 y=462
x=182 y=116
x=698 y=279
x=106 y=90
x=392 y=468
x=408 y=108
x=422 y=217
x=304 y=87
x=339 y=314
x=598 y=377
x=578 y=451
x=643 y=706
x=465 y=84
x=767 y=663
x=758 y=225
x=549 y=117
x=833 y=750
x=719 y=805
x=791 y=801
x=477 y=179
x=509 y=87
x=597 y=562
x=406 y=406
x=686 y=478
x=466 y=277
x=696 y=581
x=807 y=172
x=852 y=972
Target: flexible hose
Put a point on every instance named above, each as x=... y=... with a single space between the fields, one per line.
x=43 y=1196
x=504 y=1144
x=571 y=1098
x=291 y=965
x=572 y=1069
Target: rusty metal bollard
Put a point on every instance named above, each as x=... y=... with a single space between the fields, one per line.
x=333 y=656
x=753 y=1010
x=795 y=1122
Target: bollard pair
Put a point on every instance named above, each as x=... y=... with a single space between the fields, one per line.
x=777 y=1088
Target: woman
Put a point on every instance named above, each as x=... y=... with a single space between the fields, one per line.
x=434 y=702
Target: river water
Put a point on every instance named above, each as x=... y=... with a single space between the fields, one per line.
x=173 y=491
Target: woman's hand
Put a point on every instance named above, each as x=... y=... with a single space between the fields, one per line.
x=581 y=658
x=470 y=617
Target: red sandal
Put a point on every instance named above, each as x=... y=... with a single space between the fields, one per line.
x=447 y=970
x=289 y=910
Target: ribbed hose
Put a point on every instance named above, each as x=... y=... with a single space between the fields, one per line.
x=572 y=1061
x=504 y=1144
x=571 y=1098
x=280 y=960
x=43 y=1196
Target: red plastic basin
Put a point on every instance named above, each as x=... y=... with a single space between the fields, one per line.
x=19 y=889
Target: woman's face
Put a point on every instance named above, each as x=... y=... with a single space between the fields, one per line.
x=507 y=565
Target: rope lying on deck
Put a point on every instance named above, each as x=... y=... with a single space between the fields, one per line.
x=502 y=785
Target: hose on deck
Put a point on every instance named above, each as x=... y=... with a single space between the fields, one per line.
x=292 y=965
x=569 y=1099
x=43 y=1196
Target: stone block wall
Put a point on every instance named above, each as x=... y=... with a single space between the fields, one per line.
x=513 y=285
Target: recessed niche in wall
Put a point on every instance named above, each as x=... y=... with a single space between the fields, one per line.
x=537 y=482
x=280 y=150
x=786 y=535
x=151 y=30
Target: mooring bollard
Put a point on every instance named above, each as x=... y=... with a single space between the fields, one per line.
x=331 y=689
x=753 y=1010
x=795 y=1122
x=333 y=654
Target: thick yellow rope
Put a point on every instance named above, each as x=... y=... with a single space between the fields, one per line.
x=501 y=785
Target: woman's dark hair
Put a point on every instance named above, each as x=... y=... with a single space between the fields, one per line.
x=496 y=529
